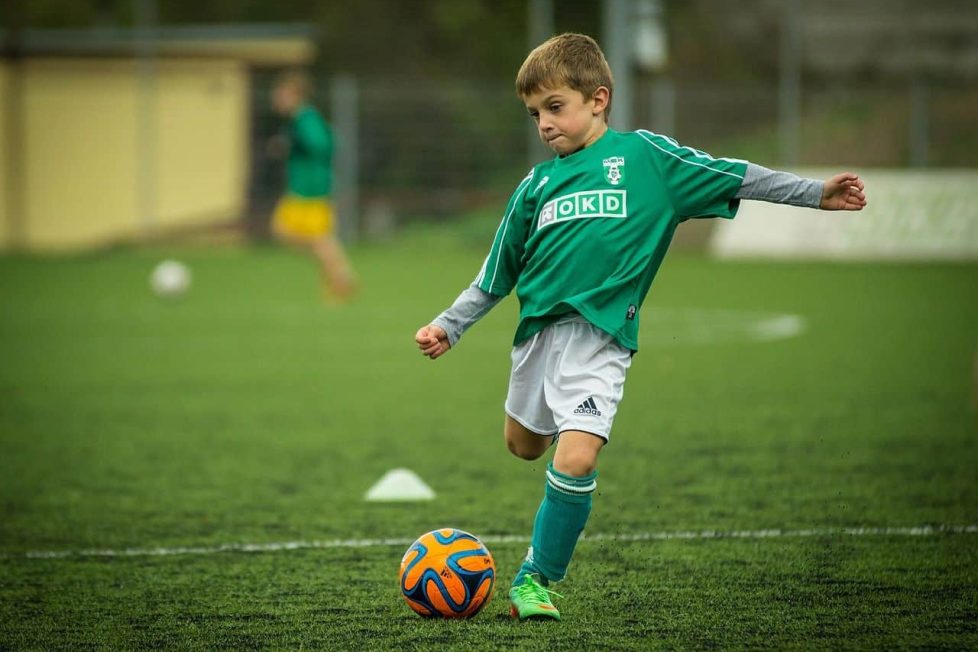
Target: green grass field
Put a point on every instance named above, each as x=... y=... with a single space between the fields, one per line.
x=247 y=412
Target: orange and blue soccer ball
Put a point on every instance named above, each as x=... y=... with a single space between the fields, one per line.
x=447 y=573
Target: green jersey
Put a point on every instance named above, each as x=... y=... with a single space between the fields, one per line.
x=309 y=170
x=587 y=232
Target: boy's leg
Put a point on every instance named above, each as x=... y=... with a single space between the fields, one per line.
x=583 y=387
x=529 y=429
x=566 y=505
x=523 y=442
x=570 y=383
x=336 y=267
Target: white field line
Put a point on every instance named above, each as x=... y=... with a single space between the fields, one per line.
x=692 y=535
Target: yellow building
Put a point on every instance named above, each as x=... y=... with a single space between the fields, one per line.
x=105 y=140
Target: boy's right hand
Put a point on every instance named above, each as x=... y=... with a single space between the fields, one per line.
x=432 y=340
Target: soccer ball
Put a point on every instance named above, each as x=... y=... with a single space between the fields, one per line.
x=170 y=278
x=447 y=573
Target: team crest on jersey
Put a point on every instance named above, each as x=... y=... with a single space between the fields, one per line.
x=613 y=169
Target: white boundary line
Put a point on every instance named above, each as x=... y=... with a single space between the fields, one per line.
x=919 y=531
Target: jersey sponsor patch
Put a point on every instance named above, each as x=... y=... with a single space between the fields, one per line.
x=580 y=205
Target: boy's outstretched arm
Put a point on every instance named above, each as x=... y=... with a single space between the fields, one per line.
x=444 y=332
x=843 y=192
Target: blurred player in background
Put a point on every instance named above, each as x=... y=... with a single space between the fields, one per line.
x=580 y=241
x=305 y=216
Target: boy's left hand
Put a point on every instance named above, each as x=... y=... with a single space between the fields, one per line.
x=843 y=192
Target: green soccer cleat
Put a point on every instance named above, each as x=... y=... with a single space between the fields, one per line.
x=532 y=600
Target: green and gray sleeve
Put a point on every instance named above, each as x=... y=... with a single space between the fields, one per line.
x=779 y=187
x=469 y=307
x=499 y=272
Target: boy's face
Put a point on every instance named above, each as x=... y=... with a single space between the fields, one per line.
x=285 y=98
x=566 y=120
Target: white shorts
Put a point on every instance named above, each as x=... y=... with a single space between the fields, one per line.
x=569 y=376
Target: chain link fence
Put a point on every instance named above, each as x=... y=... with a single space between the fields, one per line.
x=443 y=149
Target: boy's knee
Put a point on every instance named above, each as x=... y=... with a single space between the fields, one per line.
x=523 y=452
x=577 y=453
x=523 y=443
x=577 y=464
x=524 y=449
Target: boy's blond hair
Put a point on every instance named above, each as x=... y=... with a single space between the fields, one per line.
x=572 y=60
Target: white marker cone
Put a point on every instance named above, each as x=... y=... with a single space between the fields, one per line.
x=399 y=485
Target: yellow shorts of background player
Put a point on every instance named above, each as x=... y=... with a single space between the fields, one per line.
x=303 y=218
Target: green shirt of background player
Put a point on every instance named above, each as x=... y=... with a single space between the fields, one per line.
x=309 y=171
x=580 y=241
x=305 y=216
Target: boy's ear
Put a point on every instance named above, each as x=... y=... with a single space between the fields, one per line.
x=601 y=97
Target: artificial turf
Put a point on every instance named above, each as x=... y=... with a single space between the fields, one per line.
x=248 y=411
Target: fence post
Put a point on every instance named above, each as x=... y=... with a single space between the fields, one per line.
x=663 y=101
x=618 y=42
x=540 y=18
x=345 y=113
x=919 y=122
x=789 y=89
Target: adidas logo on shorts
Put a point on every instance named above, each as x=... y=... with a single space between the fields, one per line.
x=588 y=407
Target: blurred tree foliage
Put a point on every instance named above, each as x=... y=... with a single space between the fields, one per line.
x=434 y=38
x=723 y=61
x=443 y=38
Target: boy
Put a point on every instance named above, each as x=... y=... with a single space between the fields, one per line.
x=304 y=216
x=581 y=240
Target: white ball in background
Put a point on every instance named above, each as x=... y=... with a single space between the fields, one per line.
x=170 y=278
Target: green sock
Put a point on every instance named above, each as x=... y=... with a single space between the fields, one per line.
x=560 y=520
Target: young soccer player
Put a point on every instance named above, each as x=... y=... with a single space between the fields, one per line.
x=304 y=216
x=581 y=240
